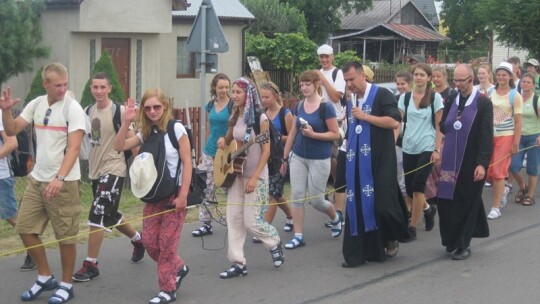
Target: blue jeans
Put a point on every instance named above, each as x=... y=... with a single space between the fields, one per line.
x=532 y=155
x=8 y=202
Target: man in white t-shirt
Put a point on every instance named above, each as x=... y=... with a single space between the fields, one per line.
x=53 y=187
x=333 y=87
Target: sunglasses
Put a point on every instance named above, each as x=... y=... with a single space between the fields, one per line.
x=154 y=107
x=270 y=86
x=47 y=115
x=462 y=80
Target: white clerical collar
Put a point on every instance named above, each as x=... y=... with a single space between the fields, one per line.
x=470 y=99
x=360 y=101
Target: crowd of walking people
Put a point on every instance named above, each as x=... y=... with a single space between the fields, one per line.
x=394 y=160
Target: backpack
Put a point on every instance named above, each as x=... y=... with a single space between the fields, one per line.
x=282 y=122
x=407 y=101
x=535 y=104
x=20 y=160
x=276 y=145
x=343 y=99
x=117 y=123
x=165 y=185
x=230 y=105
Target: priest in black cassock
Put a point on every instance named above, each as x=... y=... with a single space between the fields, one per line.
x=467 y=124
x=376 y=212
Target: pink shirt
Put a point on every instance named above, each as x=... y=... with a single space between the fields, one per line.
x=254 y=152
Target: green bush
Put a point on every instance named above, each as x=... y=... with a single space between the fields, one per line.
x=341 y=58
x=105 y=65
x=36 y=89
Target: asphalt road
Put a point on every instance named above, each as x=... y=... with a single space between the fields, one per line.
x=504 y=268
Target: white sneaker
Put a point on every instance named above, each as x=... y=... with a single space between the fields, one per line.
x=504 y=198
x=487 y=184
x=494 y=214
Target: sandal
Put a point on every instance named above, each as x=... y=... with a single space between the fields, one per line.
x=235 y=271
x=180 y=275
x=392 y=248
x=528 y=201
x=295 y=243
x=163 y=297
x=288 y=227
x=277 y=255
x=50 y=284
x=202 y=231
x=520 y=196
x=336 y=226
x=58 y=299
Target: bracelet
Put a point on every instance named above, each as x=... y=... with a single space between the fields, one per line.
x=285 y=160
x=437 y=150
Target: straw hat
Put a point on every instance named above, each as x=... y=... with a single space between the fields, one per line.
x=143 y=174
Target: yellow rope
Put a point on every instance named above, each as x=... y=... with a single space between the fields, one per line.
x=223 y=203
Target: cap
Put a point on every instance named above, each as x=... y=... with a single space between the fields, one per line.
x=418 y=58
x=143 y=174
x=369 y=73
x=532 y=62
x=505 y=66
x=325 y=49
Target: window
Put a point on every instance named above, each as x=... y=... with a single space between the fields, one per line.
x=185 y=61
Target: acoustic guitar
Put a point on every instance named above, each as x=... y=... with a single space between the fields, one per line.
x=229 y=162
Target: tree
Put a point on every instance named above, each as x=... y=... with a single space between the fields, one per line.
x=105 y=65
x=515 y=22
x=324 y=16
x=341 y=58
x=20 y=37
x=36 y=88
x=275 y=17
x=289 y=51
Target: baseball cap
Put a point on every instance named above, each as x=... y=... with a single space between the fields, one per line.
x=505 y=66
x=532 y=62
x=325 y=49
x=369 y=73
x=418 y=58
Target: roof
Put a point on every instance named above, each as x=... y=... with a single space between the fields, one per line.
x=225 y=9
x=381 y=12
x=410 y=32
x=427 y=7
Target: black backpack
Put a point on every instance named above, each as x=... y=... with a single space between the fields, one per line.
x=276 y=145
x=165 y=185
x=535 y=104
x=322 y=112
x=406 y=103
x=20 y=159
x=116 y=119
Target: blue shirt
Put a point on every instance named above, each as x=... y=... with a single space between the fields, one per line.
x=277 y=122
x=219 y=123
x=308 y=147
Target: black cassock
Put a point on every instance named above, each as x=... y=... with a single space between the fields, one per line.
x=464 y=217
x=390 y=208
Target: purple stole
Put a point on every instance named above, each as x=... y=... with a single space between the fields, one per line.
x=455 y=141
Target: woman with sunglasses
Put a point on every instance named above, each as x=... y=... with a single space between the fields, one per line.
x=164 y=219
x=248 y=195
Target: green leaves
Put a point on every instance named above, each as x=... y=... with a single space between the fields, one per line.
x=275 y=17
x=20 y=37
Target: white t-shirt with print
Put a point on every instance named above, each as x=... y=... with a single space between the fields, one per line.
x=339 y=85
x=51 y=139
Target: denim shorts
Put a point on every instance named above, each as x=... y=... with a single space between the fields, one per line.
x=8 y=202
x=526 y=141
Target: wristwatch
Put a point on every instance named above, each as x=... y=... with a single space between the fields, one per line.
x=437 y=150
x=60 y=177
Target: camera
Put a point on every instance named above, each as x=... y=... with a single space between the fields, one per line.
x=303 y=123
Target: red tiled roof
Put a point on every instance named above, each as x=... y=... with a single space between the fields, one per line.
x=410 y=32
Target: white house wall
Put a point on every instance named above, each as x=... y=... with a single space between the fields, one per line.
x=502 y=52
x=134 y=16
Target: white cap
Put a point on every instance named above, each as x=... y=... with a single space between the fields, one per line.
x=325 y=49
x=533 y=62
x=143 y=174
x=505 y=66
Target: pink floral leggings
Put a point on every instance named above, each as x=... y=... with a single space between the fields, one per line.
x=160 y=237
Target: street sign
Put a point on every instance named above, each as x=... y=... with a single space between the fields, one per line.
x=210 y=65
x=211 y=29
